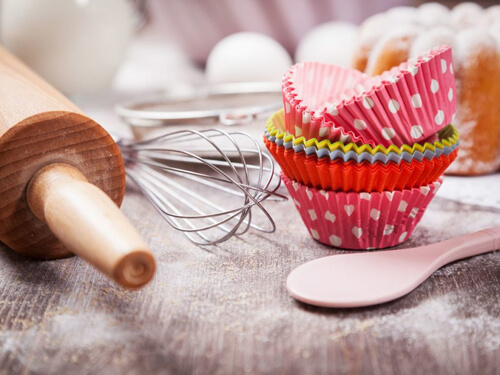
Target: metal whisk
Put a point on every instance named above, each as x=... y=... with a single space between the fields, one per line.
x=205 y=183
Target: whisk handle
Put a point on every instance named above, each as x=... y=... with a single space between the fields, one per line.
x=90 y=224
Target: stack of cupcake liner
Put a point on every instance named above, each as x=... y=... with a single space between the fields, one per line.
x=356 y=170
x=362 y=157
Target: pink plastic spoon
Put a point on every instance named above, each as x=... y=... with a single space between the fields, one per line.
x=370 y=278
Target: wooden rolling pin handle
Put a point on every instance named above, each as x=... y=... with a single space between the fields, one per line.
x=90 y=224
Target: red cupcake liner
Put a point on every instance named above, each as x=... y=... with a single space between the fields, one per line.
x=338 y=175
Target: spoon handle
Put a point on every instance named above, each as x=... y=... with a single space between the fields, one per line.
x=469 y=245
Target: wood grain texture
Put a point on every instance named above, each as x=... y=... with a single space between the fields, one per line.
x=90 y=225
x=226 y=310
x=38 y=127
x=36 y=142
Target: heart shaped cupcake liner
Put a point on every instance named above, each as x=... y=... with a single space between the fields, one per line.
x=360 y=220
x=321 y=86
x=407 y=104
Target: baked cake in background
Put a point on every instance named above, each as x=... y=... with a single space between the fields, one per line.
x=387 y=39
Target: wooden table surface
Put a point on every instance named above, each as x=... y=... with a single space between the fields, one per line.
x=227 y=311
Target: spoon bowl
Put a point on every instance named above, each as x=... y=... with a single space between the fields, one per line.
x=371 y=278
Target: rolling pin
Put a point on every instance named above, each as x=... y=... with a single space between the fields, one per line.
x=62 y=180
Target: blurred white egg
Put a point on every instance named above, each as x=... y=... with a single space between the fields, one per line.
x=247 y=57
x=330 y=43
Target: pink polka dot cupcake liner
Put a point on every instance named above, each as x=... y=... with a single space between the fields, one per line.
x=308 y=90
x=404 y=105
x=360 y=220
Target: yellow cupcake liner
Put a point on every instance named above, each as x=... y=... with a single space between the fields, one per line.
x=448 y=136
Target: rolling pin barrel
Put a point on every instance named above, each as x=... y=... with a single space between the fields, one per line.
x=62 y=180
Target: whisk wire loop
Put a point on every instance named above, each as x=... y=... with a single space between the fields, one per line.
x=205 y=183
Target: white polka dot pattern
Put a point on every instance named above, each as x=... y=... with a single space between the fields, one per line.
x=335 y=240
x=416 y=131
x=434 y=86
x=416 y=101
x=357 y=231
x=312 y=214
x=413 y=70
x=359 y=124
x=388 y=133
x=439 y=117
x=373 y=109
x=444 y=65
x=368 y=103
x=393 y=106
